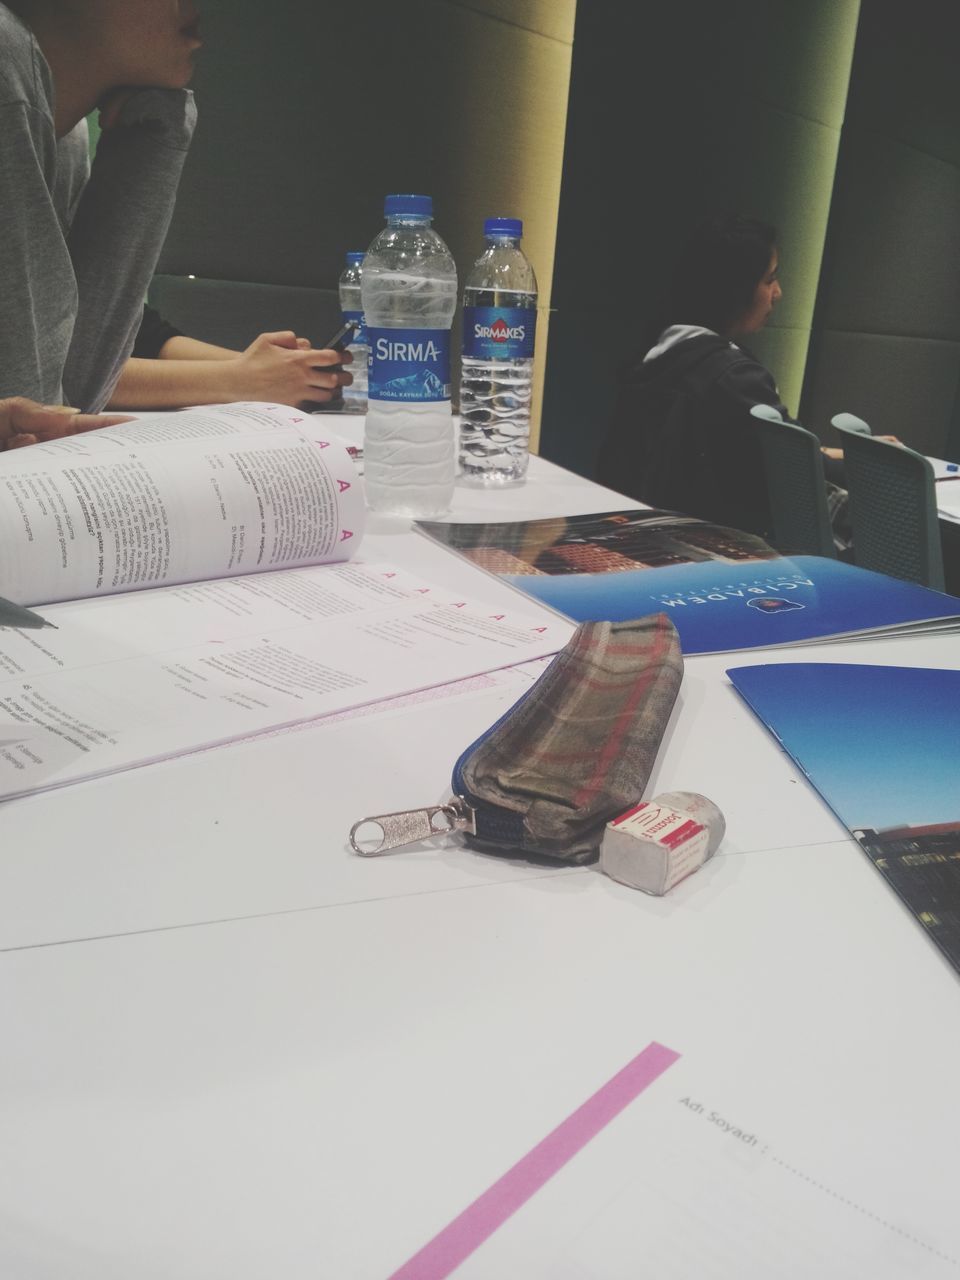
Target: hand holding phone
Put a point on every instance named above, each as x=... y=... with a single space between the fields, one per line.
x=342 y=338
x=338 y=342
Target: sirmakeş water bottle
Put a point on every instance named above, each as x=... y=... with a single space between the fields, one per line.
x=409 y=294
x=499 y=327
x=355 y=396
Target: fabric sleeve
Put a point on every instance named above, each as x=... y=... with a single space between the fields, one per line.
x=37 y=293
x=733 y=478
x=746 y=383
x=153 y=333
x=73 y=172
x=118 y=232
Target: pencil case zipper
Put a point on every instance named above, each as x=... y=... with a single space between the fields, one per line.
x=463 y=812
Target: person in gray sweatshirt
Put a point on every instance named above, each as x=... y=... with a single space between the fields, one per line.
x=77 y=246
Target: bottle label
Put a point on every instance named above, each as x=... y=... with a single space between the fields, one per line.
x=499 y=333
x=360 y=336
x=409 y=364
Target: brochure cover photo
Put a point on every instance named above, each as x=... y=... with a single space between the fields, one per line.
x=723 y=589
x=882 y=746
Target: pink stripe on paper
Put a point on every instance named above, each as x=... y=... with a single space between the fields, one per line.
x=480 y=1220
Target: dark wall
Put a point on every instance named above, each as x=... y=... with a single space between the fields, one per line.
x=311 y=111
x=676 y=111
x=886 y=341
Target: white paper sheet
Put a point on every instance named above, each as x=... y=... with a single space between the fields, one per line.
x=711 y=1184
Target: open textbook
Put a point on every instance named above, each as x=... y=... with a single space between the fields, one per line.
x=723 y=589
x=176 y=498
x=206 y=586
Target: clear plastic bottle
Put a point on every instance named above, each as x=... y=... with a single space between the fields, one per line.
x=355 y=396
x=499 y=327
x=409 y=293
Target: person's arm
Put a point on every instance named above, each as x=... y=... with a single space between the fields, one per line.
x=277 y=367
x=183 y=348
x=35 y=271
x=24 y=422
x=119 y=228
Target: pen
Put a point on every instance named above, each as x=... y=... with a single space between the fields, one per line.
x=15 y=615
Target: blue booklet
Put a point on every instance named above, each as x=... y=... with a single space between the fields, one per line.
x=882 y=746
x=724 y=590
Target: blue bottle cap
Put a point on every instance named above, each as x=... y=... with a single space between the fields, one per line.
x=354 y=259
x=512 y=227
x=417 y=206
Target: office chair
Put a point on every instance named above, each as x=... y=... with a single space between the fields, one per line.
x=893 y=508
x=795 y=485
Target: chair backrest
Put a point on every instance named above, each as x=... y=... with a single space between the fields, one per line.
x=850 y=422
x=795 y=485
x=893 y=508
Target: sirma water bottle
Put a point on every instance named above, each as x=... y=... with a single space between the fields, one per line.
x=499 y=326
x=409 y=293
x=355 y=396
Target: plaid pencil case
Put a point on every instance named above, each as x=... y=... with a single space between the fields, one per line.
x=575 y=751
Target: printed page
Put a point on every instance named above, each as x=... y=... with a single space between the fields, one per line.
x=179 y=498
x=943 y=470
x=130 y=679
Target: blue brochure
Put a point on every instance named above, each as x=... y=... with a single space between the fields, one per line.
x=724 y=590
x=882 y=746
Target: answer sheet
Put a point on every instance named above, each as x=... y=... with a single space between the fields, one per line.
x=690 y=1182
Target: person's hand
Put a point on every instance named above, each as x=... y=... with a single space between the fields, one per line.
x=837 y=454
x=24 y=422
x=286 y=369
x=110 y=105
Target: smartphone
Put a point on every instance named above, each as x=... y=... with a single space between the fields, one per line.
x=341 y=339
x=339 y=342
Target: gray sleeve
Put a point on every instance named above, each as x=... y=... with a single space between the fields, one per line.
x=73 y=172
x=37 y=297
x=118 y=232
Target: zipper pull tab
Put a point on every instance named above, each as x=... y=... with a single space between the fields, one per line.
x=370 y=837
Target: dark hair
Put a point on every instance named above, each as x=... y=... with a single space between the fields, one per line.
x=719 y=269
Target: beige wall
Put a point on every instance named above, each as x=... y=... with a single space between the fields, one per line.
x=887 y=339
x=516 y=58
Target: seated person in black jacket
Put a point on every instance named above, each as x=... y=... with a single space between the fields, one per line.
x=682 y=437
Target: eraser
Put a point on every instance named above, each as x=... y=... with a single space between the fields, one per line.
x=660 y=842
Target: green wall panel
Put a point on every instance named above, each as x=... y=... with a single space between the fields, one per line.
x=678 y=111
x=886 y=341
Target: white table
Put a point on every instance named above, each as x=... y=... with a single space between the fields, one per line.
x=232 y=1049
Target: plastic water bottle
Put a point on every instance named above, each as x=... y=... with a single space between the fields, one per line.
x=355 y=396
x=409 y=292
x=499 y=327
